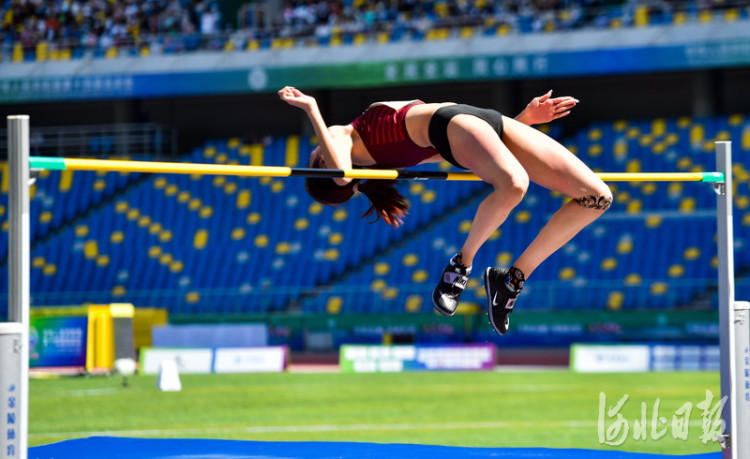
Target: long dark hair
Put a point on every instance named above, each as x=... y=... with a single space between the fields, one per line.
x=385 y=200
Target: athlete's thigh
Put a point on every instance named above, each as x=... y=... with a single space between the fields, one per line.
x=548 y=163
x=476 y=146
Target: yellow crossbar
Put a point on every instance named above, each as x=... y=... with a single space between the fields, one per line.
x=273 y=171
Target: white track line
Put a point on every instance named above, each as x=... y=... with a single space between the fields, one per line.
x=326 y=428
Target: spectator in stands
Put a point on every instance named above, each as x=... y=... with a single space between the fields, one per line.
x=504 y=152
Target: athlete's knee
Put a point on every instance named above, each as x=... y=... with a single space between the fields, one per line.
x=516 y=188
x=600 y=199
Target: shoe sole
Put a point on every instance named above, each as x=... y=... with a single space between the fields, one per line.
x=489 y=304
x=439 y=309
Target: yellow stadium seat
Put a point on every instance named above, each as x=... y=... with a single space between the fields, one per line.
x=315 y=208
x=166 y=258
x=634 y=207
x=17 y=53
x=608 y=264
x=653 y=221
x=659 y=127
x=413 y=303
x=595 y=134
x=566 y=273
x=335 y=238
x=331 y=254
x=49 y=270
x=230 y=188
x=428 y=196
x=238 y=234
x=339 y=215
x=244 y=199
x=615 y=300
x=102 y=260
x=292 y=151
x=419 y=276
x=503 y=259
x=334 y=304
x=192 y=297
x=390 y=293
x=261 y=241
x=206 y=212
x=680 y=17
x=361 y=39
x=111 y=53
x=176 y=266
x=496 y=234
x=523 y=216
x=633 y=279
x=116 y=237
x=195 y=204
x=38 y=262
x=200 y=239
x=45 y=217
x=464 y=226
x=118 y=291
x=165 y=236
x=66 y=181
x=154 y=251
x=691 y=253
x=91 y=249
x=253 y=218
x=676 y=270
x=625 y=245
x=277 y=186
x=410 y=259
x=283 y=248
x=659 y=288
x=377 y=285
x=301 y=224
x=687 y=204
x=381 y=269
x=144 y=221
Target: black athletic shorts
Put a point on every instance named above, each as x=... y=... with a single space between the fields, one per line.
x=438 y=129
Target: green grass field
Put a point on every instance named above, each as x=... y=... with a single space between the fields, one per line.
x=554 y=409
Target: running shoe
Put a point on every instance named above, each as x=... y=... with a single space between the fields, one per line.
x=452 y=284
x=502 y=292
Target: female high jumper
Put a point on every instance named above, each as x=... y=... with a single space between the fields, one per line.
x=506 y=153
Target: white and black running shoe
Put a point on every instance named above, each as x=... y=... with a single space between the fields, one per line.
x=452 y=284
x=501 y=296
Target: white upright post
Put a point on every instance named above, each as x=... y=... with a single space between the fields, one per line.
x=19 y=272
x=733 y=321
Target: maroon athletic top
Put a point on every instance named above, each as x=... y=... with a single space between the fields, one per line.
x=383 y=131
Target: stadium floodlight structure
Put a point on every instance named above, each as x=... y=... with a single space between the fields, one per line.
x=733 y=315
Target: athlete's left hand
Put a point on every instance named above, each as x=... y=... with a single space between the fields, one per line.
x=297 y=98
x=546 y=108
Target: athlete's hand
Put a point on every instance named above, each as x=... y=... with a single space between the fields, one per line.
x=297 y=98
x=545 y=108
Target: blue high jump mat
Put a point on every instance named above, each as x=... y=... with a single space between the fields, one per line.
x=139 y=448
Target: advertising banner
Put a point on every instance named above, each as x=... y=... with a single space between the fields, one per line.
x=58 y=341
x=266 y=74
x=459 y=357
x=589 y=358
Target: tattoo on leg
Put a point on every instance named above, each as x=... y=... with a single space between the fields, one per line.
x=595 y=202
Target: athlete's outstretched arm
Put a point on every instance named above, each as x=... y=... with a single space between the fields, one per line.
x=546 y=108
x=335 y=146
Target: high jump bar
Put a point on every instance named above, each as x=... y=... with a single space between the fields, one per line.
x=75 y=164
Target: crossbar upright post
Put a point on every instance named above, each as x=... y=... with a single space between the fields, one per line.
x=19 y=272
x=734 y=334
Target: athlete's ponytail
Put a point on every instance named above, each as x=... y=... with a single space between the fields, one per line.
x=385 y=201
